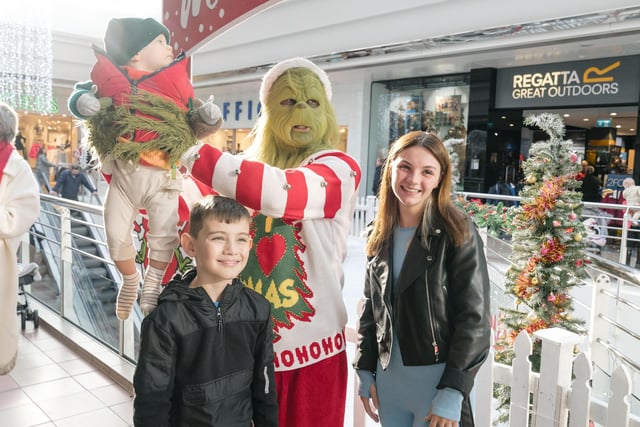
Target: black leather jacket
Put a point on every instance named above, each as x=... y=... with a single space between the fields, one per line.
x=439 y=310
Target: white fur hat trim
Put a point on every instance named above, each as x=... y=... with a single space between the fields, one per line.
x=279 y=69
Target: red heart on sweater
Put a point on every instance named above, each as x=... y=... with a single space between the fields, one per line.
x=269 y=252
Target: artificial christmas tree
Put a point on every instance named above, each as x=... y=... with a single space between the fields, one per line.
x=548 y=248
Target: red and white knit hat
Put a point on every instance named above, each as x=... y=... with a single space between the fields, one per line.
x=279 y=69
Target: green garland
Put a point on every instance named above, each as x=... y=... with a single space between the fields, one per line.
x=498 y=218
x=159 y=115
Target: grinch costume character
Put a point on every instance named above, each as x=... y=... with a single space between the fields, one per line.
x=147 y=121
x=304 y=193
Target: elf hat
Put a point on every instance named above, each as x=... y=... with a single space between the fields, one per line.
x=281 y=67
x=125 y=37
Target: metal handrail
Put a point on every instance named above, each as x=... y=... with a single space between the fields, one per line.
x=597 y=263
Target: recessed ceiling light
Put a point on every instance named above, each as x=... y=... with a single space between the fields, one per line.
x=618 y=126
x=613 y=114
x=510 y=124
x=503 y=117
x=586 y=119
x=566 y=115
x=631 y=130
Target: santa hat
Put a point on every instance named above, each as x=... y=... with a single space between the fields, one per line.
x=125 y=37
x=281 y=67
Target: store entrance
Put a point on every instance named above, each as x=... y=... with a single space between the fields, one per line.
x=604 y=136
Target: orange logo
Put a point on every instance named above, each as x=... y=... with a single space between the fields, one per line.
x=598 y=72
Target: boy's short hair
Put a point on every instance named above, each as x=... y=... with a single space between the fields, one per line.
x=125 y=37
x=221 y=208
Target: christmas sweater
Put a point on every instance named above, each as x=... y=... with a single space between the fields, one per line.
x=300 y=228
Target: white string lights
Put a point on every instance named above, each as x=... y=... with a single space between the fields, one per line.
x=26 y=67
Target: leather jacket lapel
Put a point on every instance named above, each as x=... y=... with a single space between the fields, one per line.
x=382 y=271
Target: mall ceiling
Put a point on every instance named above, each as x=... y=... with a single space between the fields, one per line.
x=450 y=35
x=388 y=40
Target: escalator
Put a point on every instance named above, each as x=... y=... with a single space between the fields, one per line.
x=94 y=280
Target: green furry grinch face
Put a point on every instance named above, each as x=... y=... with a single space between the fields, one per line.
x=297 y=106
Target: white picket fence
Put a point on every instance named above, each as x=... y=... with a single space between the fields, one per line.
x=559 y=396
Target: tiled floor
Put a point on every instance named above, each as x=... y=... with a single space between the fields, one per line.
x=51 y=385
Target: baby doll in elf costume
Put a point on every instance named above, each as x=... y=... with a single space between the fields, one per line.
x=304 y=192
x=142 y=115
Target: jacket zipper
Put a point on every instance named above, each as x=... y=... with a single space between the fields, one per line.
x=266 y=381
x=219 y=317
x=434 y=343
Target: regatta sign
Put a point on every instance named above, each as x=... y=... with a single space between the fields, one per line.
x=600 y=81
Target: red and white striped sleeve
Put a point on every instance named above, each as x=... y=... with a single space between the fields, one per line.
x=325 y=182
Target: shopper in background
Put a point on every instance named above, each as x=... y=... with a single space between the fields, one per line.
x=20 y=142
x=580 y=175
x=591 y=186
x=376 y=175
x=43 y=169
x=424 y=331
x=69 y=182
x=206 y=351
x=19 y=209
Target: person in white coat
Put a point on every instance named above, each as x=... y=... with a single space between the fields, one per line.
x=19 y=209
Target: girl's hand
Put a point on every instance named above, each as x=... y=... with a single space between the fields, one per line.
x=366 y=402
x=436 y=421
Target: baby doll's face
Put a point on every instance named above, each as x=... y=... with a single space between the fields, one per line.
x=155 y=55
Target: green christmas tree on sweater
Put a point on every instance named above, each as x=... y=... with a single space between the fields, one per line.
x=548 y=246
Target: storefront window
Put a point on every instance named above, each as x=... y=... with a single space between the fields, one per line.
x=430 y=104
x=56 y=134
x=237 y=141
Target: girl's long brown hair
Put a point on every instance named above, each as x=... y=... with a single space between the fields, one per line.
x=439 y=204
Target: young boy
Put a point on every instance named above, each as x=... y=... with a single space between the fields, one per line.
x=139 y=139
x=206 y=352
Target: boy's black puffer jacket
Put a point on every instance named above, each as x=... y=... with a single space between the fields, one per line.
x=202 y=366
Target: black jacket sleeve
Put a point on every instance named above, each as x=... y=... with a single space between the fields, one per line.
x=470 y=300
x=154 y=377
x=263 y=386
x=367 y=346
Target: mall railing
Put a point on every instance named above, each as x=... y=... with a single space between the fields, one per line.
x=80 y=281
